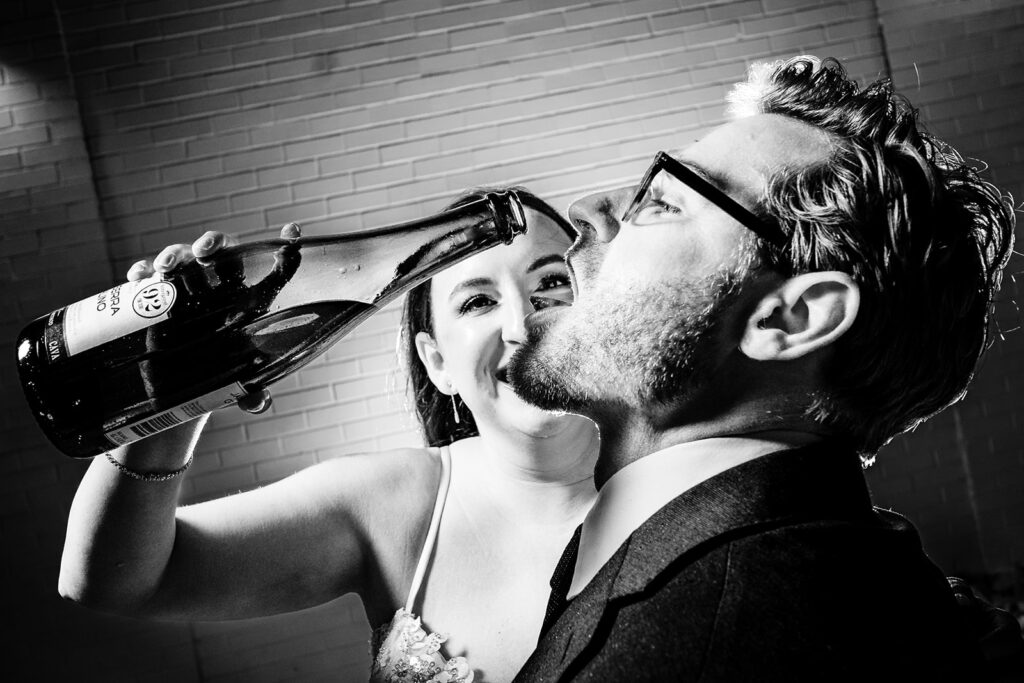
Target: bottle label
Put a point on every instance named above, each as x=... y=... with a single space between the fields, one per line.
x=109 y=315
x=186 y=411
x=53 y=336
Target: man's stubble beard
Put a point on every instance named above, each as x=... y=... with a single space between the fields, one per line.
x=643 y=346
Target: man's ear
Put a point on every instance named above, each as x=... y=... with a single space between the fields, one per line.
x=433 y=361
x=803 y=314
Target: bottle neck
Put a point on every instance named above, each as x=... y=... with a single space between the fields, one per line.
x=454 y=235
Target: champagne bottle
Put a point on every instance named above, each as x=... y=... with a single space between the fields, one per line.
x=144 y=356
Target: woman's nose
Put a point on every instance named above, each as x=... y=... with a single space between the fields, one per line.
x=596 y=216
x=513 y=329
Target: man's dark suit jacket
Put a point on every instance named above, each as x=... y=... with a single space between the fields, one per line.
x=776 y=570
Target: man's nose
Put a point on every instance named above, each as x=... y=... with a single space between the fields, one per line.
x=599 y=213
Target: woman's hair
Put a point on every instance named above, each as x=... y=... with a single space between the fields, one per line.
x=434 y=409
x=915 y=226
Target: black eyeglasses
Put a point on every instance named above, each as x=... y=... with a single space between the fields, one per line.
x=663 y=162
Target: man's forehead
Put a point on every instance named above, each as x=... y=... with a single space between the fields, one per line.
x=713 y=177
x=740 y=154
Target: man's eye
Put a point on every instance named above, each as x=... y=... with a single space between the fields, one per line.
x=655 y=206
x=475 y=303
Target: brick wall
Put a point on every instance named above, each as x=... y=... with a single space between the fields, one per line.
x=126 y=126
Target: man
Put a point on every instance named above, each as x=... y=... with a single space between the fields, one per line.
x=760 y=315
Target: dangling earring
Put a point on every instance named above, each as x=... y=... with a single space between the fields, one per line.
x=455 y=408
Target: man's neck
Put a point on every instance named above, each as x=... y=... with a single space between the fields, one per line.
x=624 y=442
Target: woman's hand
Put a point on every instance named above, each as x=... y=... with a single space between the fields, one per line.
x=211 y=242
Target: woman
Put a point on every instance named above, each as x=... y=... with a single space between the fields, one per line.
x=464 y=532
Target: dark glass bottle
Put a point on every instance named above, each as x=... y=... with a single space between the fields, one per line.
x=144 y=356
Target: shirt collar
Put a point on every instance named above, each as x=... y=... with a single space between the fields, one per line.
x=647 y=484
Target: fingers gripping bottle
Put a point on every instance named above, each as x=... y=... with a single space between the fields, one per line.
x=144 y=356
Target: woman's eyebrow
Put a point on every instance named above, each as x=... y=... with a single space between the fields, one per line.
x=478 y=282
x=473 y=283
x=545 y=261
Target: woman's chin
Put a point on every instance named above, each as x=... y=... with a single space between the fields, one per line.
x=530 y=419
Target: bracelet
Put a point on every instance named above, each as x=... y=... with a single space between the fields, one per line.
x=149 y=476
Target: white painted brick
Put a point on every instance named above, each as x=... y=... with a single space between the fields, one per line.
x=214 y=438
x=299 y=400
x=217 y=144
x=313 y=148
x=19 y=94
x=298 y=212
x=246 y=119
x=385 y=175
x=250 y=452
x=373 y=136
x=367 y=386
x=798 y=40
x=371 y=427
x=276 y=426
x=311 y=439
x=225 y=184
x=281 y=467
x=145 y=157
x=254 y=159
x=337 y=414
x=224 y=481
x=260 y=198
x=196 y=212
x=279 y=132
x=168 y=194
x=328 y=186
x=206 y=105
x=406 y=150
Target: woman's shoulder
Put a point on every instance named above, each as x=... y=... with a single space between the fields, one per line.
x=389 y=496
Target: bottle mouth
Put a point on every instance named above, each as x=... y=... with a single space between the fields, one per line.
x=509 y=216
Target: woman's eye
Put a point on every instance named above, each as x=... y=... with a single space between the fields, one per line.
x=475 y=303
x=554 y=280
x=553 y=290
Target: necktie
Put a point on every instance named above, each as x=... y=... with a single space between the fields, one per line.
x=560 y=582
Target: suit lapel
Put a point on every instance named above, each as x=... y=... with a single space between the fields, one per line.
x=781 y=488
x=561 y=580
x=809 y=483
x=574 y=629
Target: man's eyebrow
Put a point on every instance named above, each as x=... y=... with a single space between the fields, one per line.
x=717 y=179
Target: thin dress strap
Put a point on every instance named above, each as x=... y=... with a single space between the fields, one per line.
x=435 y=522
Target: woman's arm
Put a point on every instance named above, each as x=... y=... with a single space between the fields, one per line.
x=341 y=526
x=353 y=524
x=121 y=531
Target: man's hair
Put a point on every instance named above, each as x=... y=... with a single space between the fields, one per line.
x=915 y=226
